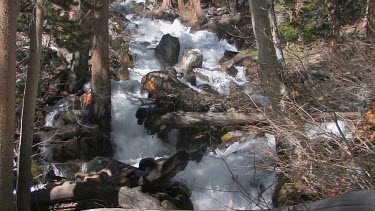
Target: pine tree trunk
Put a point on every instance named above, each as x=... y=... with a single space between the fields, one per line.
x=8 y=26
x=24 y=176
x=101 y=84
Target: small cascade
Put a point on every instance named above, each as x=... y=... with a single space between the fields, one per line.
x=222 y=179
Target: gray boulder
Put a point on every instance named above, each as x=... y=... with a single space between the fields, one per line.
x=168 y=50
x=190 y=60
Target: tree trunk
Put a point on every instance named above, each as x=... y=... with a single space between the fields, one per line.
x=80 y=62
x=181 y=5
x=24 y=176
x=269 y=72
x=332 y=11
x=101 y=84
x=275 y=33
x=8 y=26
x=268 y=66
x=166 y=4
x=370 y=20
x=198 y=11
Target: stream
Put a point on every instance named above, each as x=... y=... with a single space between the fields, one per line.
x=223 y=179
x=239 y=176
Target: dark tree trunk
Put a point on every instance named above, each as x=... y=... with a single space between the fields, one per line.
x=8 y=24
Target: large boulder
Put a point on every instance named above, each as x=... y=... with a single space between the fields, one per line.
x=168 y=50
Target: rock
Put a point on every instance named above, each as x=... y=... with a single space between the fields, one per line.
x=168 y=50
x=229 y=68
x=208 y=88
x=168 y=205
x=128 y=197
x=190 y=60
x=228 y=55
x=170 y=70
x=148 y=164
x=178 y=188
x=184 y=203
x=99 y=163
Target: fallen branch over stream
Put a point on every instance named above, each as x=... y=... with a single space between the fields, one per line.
x=182 y=119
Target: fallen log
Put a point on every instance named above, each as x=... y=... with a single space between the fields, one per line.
x=182 y=119
x=116 y=196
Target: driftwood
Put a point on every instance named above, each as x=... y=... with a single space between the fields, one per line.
x=116 y=196
x=111 y=189
x=182 y=119
x=164 y=172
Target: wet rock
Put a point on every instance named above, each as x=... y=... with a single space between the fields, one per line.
x=208 y=88
x=184 y=203
x=148 y=164
x=168 y=205
x=229 y=68
x=168 y=50
x=228 y=55
x=190 y=60
x=178 y=188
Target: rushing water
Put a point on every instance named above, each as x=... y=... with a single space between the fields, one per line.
x=223 y=179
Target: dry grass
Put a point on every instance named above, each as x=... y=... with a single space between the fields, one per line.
x=329 y=164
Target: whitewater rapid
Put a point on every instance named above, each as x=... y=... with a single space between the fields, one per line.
x=225 y=179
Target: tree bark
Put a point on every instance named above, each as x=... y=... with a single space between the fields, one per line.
x=8 y=25
x=198 y=11
x=181 y=5
x=80 y=62
x=166 y=4
x=332 y=7
x=269 y=68
x=269 y=71
x=101 y=84
x=24 y=176
x=370 y=20
x=275 y=33
x=182 y=119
